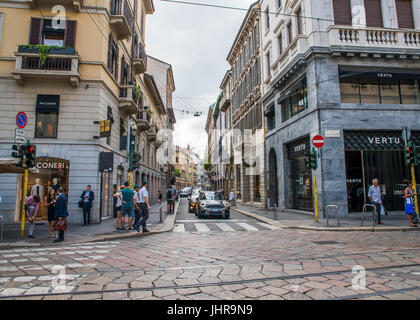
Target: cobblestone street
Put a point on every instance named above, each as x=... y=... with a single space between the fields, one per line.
x=264 y=264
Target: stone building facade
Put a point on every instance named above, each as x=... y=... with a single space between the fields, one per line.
x=350 y=77
x=247 y=114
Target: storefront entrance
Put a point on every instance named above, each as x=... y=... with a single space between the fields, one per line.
x=53 y=173
x=379 y=155
x=300 y=177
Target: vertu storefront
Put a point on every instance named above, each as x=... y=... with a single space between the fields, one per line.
x=376 y=154
x=300 y=176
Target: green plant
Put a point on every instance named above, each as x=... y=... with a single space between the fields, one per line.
x=43 y=51
x=177 y=173
x=137 y=92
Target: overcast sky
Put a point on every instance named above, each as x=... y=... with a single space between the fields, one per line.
x=195 y=40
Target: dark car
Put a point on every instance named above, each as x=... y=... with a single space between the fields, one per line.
x=192 y=202
x=212 y=203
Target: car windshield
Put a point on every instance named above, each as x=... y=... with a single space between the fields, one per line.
x=185 y=190
x=212 y=196
x=195 y=195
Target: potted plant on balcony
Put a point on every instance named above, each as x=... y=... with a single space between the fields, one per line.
x=43 y=50
x=137 y=92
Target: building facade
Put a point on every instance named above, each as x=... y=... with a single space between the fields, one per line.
x=68 y=74
x=247 y=113
x=348 y=70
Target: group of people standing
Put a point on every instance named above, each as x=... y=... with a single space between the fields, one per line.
x=56 y=202
x=375 y=196
x=132 y=204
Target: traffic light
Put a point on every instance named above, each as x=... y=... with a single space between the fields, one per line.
x=311 y=161
x=416 y=155
x=30 y=154
x=409 y=154
x=134 y=161
x=18 y=153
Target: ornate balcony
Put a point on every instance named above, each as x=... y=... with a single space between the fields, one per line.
x=121 y=20
x=60 y=64
x=224 y=102
x=128 y=100
x=343 y=38
x=143 y=120
x=151 y=134
x=139 y=59
x=76 y=4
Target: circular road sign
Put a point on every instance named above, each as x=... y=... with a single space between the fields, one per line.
x=21 y=120
x=318 y=141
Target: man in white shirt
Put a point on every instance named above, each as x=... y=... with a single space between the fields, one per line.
x=232 y=197
x=375 y=195
x=144 y=208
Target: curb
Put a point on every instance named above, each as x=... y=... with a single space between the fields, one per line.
x=313 y=228
x=168 y=225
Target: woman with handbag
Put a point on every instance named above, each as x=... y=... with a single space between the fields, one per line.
x=409 y=203
x=60 y=215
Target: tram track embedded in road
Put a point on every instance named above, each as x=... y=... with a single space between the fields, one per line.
x=223 y=283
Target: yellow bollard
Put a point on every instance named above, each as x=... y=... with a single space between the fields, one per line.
x=131 y=179
x=25 y=186
x=315 y=197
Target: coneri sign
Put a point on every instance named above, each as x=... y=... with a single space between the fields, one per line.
x=51 y=163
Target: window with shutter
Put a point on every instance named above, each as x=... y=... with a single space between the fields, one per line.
x=110 y=40
x=405 y=14
x=70 y=34
x=342 y=12
x=299 y=20
x=289 y=32
x=373 y=10
x=35 y=31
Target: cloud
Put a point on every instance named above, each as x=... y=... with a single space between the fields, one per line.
x=195 y=41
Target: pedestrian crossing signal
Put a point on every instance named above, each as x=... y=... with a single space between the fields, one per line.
x=18 y=153
x=134 y=161
x=416 y=155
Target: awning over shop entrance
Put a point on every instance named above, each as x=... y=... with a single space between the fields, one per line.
x=9 y=165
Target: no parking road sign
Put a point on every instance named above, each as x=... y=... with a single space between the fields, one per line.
x=21 y=120
x=318 y=141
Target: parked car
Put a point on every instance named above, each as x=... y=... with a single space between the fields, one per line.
x=186 y=192
x=192 y=201
x=212 y=203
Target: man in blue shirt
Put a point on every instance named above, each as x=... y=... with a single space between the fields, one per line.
x=128 y=206
x=375 y=195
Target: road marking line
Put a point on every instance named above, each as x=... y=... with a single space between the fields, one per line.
x=247 y=226
x=179 y=228
x=208 y=221
x=269 y=226
x=225 y=227
x=201 y=227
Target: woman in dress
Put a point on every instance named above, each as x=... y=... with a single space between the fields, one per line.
x=409 y=203
x=50 y=200
x=118 y=195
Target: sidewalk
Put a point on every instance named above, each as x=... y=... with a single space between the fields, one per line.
x=106 y=230
x=394 y=221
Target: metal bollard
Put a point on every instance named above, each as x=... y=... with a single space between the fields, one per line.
x=275 y=212
x=364 y=210
x=160 y=212
x=336 y=209
x=2 y=222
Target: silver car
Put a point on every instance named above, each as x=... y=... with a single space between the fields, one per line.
x=212 y=203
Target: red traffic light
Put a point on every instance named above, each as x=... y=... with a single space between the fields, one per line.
x=31 y=148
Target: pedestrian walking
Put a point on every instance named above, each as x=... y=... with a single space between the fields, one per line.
x=144 y=206
x=409 y=203
x=32 y=206
x=232 y=197
x=137 y=210
x=87 y=197
x=375 y=195
x=60 y=215
x=49 y=202
x=170 y=198
x=128 y=205
x=118 y=196
x=160 y=197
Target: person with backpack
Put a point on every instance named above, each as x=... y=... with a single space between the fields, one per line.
x=170 y=198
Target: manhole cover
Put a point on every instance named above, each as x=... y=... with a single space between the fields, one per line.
x=325 y=242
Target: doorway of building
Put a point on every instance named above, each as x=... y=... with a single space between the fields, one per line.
x=272 y=178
